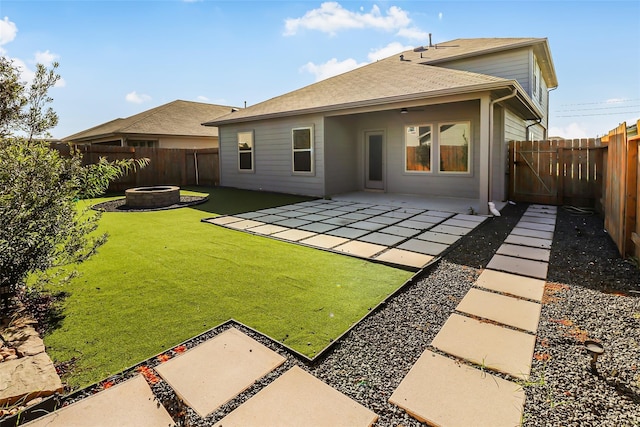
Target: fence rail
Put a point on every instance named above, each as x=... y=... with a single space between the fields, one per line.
x=167 y=166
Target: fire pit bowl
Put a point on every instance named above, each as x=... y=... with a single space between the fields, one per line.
x=152 y=197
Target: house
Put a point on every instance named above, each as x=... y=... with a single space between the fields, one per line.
x=433 y=121
x=173 y=125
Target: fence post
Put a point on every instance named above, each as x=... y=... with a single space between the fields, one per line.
x=560 y=162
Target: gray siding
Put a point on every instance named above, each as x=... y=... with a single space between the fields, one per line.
x=272 y=157
x=514 y=127
x=341 y=155
x=515 y=65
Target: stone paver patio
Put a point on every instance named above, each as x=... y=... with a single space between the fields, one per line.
x=366 y=230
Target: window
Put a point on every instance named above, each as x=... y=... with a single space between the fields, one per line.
x=245 y=151
x=302 y=150
x=453 y=143
x=141 y=143
x=418 y=141
x=536 y=90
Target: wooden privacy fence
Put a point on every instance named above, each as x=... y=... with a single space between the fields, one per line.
x=557 y=172
x=622 y=185
x=167 y=166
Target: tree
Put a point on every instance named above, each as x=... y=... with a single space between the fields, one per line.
x=42 y=225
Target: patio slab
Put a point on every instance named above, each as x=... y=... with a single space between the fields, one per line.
x=440 y=391
x=294 y=235
x=293 y=214
x=250 y=215
x=216 y=371
x=381 y=239
x=268 y=229
x=271 y=211
x=361 y=249
x=324 y=241
x=297 y=398
x=471 y=218
x=356 y=216
x=528 y=241
x=400 y=231
x=447 y=229
x=400 y=214
x=384 y=220
x=224 y=220
x=418 y=225
x=502 y=309
x=524 y=287
x=447 y=239
x=521 y=266
x=494 y=347
x=244 y=224
x=519 y=231
x=348 y=233
x=338 y=220
x=423 y=247
x=367 y=225
x=292 y=222
x=428 y=219
x=130 y=403
x=460 y=223
x=271 y=218
x=527 y=252
x=408 y=258
x=318 y=227
x=441 y=214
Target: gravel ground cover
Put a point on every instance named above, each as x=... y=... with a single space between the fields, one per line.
x=592 y=294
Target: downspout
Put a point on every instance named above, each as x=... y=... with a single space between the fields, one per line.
x=492 y=207
x=537 y=122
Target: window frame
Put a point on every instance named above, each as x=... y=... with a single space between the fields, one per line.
x=469 y=170
x=311 y=151
x=432 y=150
x=251 y=151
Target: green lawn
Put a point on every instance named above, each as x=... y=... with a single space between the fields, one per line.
x=164 y=277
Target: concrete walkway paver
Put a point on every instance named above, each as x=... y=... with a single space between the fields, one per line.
x=485 y=344
x=502 y=309
x=528 y=241
x=297 y=398
x=443 y=392
x=525 y=287
x=214 y=372
x=527 y=252
x=128 y=404
x=525 y=267
x=400 y=257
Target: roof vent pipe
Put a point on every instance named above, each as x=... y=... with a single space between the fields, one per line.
x=430 y=44
x=401 y=57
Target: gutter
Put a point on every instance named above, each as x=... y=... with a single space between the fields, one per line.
x=491 y=105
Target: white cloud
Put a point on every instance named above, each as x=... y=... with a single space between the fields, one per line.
x=26 y=74
x=387 y=51
x=571 y=131
x=137 y=98
x=46 y=58
x=615 y=100
x=331 y=68
x=440 y=15
x=8 y=31
x=202 y=98
x=332 y=17
x=413 y=33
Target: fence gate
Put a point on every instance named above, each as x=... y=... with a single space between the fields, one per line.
x=556 y=172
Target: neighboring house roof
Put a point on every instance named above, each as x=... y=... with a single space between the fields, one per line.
x=177 y=118
x=387 y=81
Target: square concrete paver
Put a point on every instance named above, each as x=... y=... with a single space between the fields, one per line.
x=271 y=218
x=398 y=214
x=408 y=258
x=471 y=218
x=528 y=241
x=539 y=219
x=267 y=229
x=440 y=391
x=513 y=284
x=400 y=231
x=131 y=403
x=348 y=233
x=297 y=398
x=381 y=239
x=525 y=267
x=427 y=219
x=384 y=220
x=223 y=220
x=216 y=371
x=492 y=346
x=502 y=309
x=324 y=241
x=460 y=223
x=293 y=214
x=423 y=247
x=361 y=249
x=293 y=235
x=318 y=227
x=447 y=239
x=418 y=225
x=271 y=211
x=250 y=215
x=367 y=225
x=356 y=216
x=292 y=222
x=244 y=224
x=538 y=234
x=338 y=221
x=537 y=254
x=447 y=229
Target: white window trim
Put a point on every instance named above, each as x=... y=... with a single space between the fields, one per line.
x=311 y=150
x=433 y=151
x=253 y=151
x=469 y=170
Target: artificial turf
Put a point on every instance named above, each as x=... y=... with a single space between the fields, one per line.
x=165 y=276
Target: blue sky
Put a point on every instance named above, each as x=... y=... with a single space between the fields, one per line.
x=118 y=58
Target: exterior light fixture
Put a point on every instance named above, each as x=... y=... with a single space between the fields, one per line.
x=595 y=349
